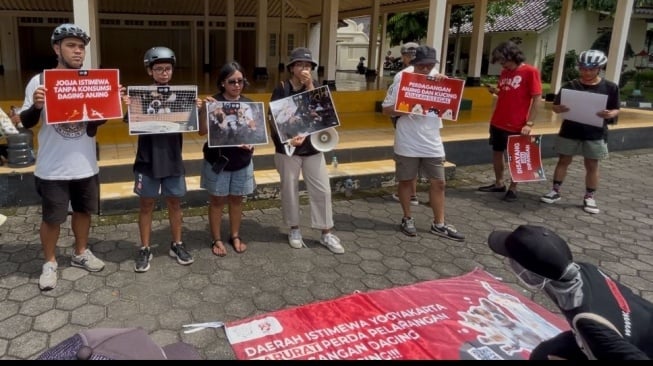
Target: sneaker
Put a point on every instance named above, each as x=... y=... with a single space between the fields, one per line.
x=179 y=251
x=88 y=261
x=3 y=219
x=492 y=188
x=408 y=226
x=295 y=239
x=589 y=205
x=447 y=231
x=510 y=196
x=48 y=279
x=142 y=262
x=550 y=197
x=332 y=242
x=413 y=199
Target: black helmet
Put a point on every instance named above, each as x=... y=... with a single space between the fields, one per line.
x=592 y=59
x=68 y=30
x=159 y=54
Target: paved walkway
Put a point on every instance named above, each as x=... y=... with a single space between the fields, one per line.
x=271 y=275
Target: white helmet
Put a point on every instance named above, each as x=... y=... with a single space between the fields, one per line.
x=592 y=59
x=159 y=54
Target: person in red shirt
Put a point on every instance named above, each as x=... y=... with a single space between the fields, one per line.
x=519 y=93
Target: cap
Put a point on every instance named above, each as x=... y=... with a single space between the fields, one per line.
x=301 y=54
x=409 y=48
x=535 y=248
x=117 y=344
x=424 y=55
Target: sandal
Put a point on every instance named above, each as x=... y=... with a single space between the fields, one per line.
x=217 y=247
x=241 y=247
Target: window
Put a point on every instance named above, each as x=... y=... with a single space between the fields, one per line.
x=272 y=45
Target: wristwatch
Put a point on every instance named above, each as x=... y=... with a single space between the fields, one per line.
x=530 y=123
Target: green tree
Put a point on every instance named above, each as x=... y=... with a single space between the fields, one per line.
x=607 y=7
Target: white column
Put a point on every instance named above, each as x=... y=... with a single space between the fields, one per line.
x=283 y=44
x=373 y=50
x=262 y=34
x=438 y=26
x=86 y=17
x=445 y=42
x=619 y=38
x=561 y=45
x=384 y=39
x=231 y=30
x=476 y=49
x=328 y=41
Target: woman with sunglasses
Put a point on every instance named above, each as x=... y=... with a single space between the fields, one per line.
x=227 y=171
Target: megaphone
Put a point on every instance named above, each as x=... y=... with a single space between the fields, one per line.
x=325 y=140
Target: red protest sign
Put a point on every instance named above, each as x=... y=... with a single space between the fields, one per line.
x=420 y=95
x=525 y=158
x=81 y=95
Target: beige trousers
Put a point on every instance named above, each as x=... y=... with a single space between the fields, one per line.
x=313 y=170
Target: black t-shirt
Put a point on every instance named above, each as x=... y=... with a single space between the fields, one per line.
x=159 y=156
x=306 y=148
x=238 y=158
x=580 y=131
x=631 y=314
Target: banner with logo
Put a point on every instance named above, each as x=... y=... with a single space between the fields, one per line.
x=473 y=316
x=419 y=94
x=81 y=95
x=155 y=109
x=525 y=158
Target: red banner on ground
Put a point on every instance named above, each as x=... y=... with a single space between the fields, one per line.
x=81 y=95
x=418 y=94
x=473 y=316
x=525 y=158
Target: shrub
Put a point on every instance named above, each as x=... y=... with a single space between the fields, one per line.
x=569 y=72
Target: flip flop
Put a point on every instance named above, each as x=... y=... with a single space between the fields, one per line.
x=241 y=247
x=217 y=247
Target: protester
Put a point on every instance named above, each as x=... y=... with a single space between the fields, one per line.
x=418 y=147
x=519 y=92
x=607 y=319
x=578 y=138
x=299 y=156
x=66 y=171
x=227 y=172
x=159 y=170
x=407 y=55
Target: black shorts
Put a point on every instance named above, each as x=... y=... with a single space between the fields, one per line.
x=83 y=195
x=499 y=138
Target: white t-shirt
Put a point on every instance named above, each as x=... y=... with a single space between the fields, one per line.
x=65 y=152
x=415 y=136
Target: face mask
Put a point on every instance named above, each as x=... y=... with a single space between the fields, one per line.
x=529 y=279
x=567 y=294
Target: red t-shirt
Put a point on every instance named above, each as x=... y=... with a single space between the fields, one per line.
x=516 y=90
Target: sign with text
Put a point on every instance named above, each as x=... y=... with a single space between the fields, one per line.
x=525 y=158
x=473 y=316
x=234 y=123
x=155 y=109
x=304 y=114
x=418 y=94
x=81 y=95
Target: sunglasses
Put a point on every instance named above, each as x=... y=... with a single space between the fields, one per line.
x=236 y=81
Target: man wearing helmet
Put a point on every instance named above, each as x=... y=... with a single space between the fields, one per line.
x=159 y=168
x=576 y=138
x=66 y=166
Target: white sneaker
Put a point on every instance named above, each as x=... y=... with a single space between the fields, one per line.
x=3 y=219
x=589 y=205
x=295 y=239
x=48 y=279
x=88 y=261
x=332 y=242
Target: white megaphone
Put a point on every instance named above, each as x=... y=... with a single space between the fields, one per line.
x=325 y=140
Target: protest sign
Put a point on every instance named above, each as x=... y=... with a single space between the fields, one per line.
x=419 y=94
x=234 y=123
x=155 y=109
x=304 y=114
x=525 y=158
x=81 y=95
